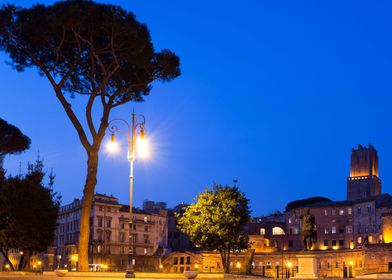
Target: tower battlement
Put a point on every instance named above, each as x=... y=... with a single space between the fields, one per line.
x=363 y=181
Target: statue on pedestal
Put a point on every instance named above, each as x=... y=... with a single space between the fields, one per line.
x=309 y=230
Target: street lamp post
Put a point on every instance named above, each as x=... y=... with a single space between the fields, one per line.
x=131 y=141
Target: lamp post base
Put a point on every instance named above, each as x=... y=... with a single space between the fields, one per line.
x=129 y=274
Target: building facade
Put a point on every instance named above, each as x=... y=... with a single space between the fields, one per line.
x=109 y=235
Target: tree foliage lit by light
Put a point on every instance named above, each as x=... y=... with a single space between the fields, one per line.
x=217 y=221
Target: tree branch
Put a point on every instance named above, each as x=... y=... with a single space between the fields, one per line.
x=71 y=115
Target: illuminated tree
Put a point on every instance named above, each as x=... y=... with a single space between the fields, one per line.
x=95 y=50
x=217 y=221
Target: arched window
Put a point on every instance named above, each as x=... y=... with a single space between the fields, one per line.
x=277 y=231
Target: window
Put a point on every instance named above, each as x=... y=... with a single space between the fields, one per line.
x=262 y=231
x=277 y=231
x=99 y=249
x=370 y=239
x=359 y=239
x=99 y=234
x=108 y=234
x=182 y=260
x=121 y=237
x=326 y=231
x=341 y=242
x=122 y=226
x=108 y=222
x=326 y=242
x=295 y=230
x=145 y=228
x=99 y=218
x=290 y=221
x=359 y=210
x=333 y=230
x=349 y=229
x=333 y=242
x=325 y=212
x=369 y=208
x=333 y=212
x=290 y=244
x=145 y=219
x=175 y=260
x=188 y=260
x=145 y=251
x=349 y=211
x=341 y=212
x=100 y=208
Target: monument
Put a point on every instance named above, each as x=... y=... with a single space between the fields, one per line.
x=307 y=261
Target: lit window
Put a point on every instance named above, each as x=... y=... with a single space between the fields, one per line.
x=262 y=231
x=349 y=229
x=359 y=240
x=349 y=211
x=370 y=238
x=145 y=251
x=277 y=231
x=289 y=220
x=326 y=231
x=325 y=212
x=333 y=230
x=295 y=230
x=341 y=212
x=145 y=219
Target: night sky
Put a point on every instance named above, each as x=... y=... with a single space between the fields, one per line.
x=272 y=93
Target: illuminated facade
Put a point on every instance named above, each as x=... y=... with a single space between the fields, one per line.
x=109 y=232
x=363 y=181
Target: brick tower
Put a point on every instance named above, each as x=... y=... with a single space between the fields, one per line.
x=363 y=181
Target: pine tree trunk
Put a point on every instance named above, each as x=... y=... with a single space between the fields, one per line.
x=88 y=195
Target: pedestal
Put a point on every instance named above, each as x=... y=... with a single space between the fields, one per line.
x=307 y=266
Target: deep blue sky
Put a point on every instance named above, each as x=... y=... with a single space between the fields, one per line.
x=274 y=93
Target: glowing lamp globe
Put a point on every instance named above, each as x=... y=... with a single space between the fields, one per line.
x=112 y=145
x=143 y=147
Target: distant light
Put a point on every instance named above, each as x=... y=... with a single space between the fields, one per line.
x=351 y=263
x=238 y=265
x=160 y=266
x=289 y=264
